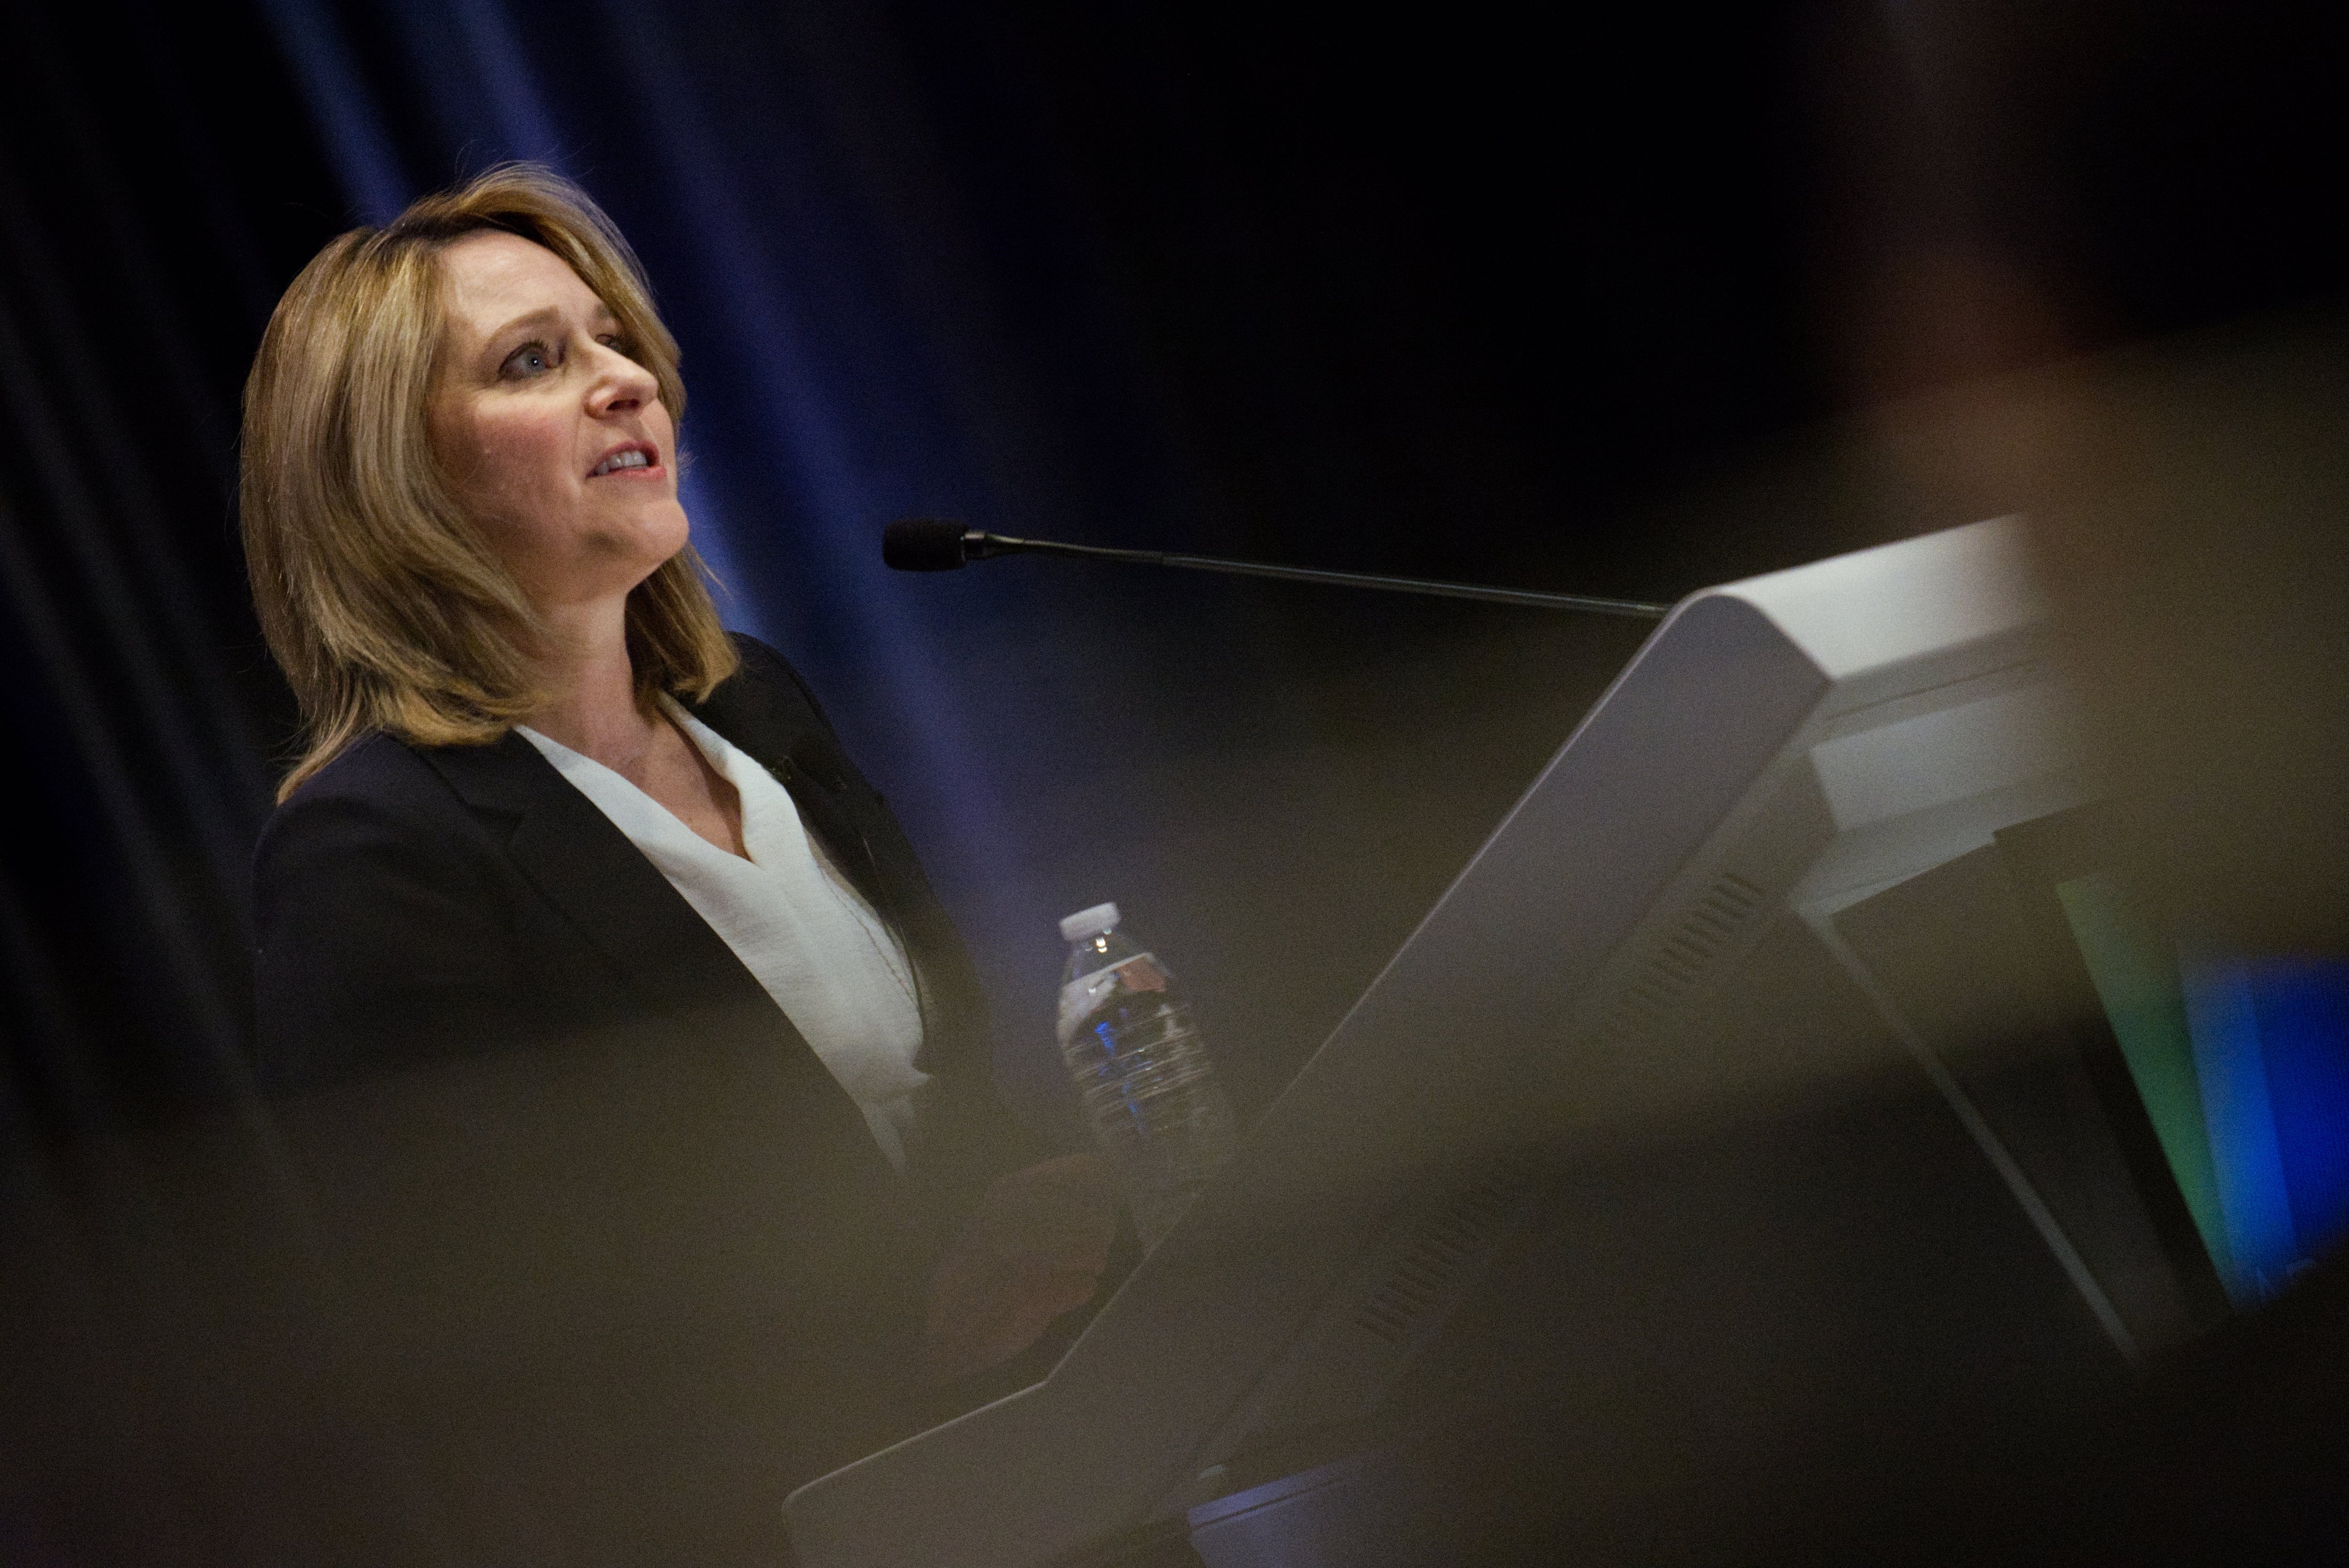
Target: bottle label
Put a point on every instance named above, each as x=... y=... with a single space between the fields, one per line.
x=1083 y=998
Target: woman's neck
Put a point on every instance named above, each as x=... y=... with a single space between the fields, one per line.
x=595 y=713
x=595 y=710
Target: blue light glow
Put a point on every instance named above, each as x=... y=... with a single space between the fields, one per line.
x=2271 y=1056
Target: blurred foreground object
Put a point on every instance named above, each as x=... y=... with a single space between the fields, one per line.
x=2196 y=534
x=1035 y=1249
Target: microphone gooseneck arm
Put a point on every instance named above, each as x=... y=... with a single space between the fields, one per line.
x=937 y=544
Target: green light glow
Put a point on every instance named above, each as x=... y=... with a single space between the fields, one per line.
x=2136 y=975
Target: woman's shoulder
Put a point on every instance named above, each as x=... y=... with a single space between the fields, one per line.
x=377 y=765
x=379 y=799
x=766 y=709
x=767 y=677
x=390 y=926
x=377 y=775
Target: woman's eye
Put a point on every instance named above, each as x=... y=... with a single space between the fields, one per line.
x=530 y=360
x=618 y=344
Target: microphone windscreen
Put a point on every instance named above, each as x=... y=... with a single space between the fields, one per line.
x=923 y=544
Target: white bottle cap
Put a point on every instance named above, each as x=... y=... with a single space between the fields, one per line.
x=1088 y=922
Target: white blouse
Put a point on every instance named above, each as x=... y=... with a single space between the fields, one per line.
x=832 y=965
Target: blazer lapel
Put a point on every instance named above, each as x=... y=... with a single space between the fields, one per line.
x=680 y=967
x=588 y=869
x=790 y=742
x=768 y=712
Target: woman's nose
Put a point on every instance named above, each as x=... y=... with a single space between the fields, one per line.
x=620 y=383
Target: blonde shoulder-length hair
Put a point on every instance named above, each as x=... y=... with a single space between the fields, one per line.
x=381 y=600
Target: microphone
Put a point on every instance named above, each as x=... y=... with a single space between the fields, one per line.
x=942 y=544
x=937 y=544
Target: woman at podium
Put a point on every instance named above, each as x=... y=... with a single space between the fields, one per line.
x=635 y=1081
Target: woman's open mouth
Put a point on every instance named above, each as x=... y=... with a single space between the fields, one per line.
x=635 y=454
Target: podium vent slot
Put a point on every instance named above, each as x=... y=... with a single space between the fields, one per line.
x=1683 y=960
x=1443 y=1253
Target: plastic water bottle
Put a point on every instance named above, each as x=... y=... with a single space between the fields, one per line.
x=1142 y=1072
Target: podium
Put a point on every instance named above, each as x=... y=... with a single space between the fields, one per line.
x=1726 y=1113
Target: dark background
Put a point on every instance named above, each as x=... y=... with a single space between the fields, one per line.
x=1616 y=301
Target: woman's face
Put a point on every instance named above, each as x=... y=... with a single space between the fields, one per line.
x=554 y=439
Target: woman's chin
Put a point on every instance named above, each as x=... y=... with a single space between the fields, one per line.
x=636 y=547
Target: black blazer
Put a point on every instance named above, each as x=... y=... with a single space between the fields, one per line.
x=616 y=1260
